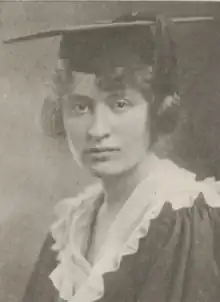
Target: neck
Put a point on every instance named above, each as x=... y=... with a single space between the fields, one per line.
x=118 y=188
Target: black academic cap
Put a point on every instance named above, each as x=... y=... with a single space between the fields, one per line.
x=81 y=43
x=126 y=21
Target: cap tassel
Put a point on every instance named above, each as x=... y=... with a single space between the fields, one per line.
x=165 y=64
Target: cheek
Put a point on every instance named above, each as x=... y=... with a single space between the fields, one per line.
x=76 y=130
x=135 y=128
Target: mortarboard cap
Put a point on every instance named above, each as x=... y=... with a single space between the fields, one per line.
x=147 y=35
x=143 y=33
x=125 y=21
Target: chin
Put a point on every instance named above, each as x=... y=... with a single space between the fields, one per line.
x=105 y=169
x=109 y=168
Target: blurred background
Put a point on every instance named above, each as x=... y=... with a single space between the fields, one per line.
x=37 y=171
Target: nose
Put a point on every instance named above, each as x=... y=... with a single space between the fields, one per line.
x=99 y=128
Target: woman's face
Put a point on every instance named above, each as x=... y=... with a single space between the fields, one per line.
x=109 y=130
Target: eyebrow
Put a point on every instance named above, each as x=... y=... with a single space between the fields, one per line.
x=80 y=97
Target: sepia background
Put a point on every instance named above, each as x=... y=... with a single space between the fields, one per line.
x=37 y=171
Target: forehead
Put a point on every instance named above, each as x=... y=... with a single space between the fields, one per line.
x=92 y=84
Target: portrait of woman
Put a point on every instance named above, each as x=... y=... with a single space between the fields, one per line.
x=146 y=230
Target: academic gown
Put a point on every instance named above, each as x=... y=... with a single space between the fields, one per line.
x=168 y=251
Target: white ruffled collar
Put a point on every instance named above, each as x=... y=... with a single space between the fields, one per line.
x=78 y=281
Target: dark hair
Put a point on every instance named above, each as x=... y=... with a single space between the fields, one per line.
x=164 y=110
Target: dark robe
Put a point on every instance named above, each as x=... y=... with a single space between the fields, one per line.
x=178 y=261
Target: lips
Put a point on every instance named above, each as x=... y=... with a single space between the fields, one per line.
x=101 y=150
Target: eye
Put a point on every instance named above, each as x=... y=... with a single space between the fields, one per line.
x=121 y=104
x=80 y=108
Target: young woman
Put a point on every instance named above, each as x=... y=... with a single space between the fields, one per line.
x=147 y=230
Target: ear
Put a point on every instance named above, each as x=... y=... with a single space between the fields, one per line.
x=168 y=102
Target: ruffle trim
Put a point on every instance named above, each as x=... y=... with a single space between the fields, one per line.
x=87 y=282
x=73 y=214
x=93 y=289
